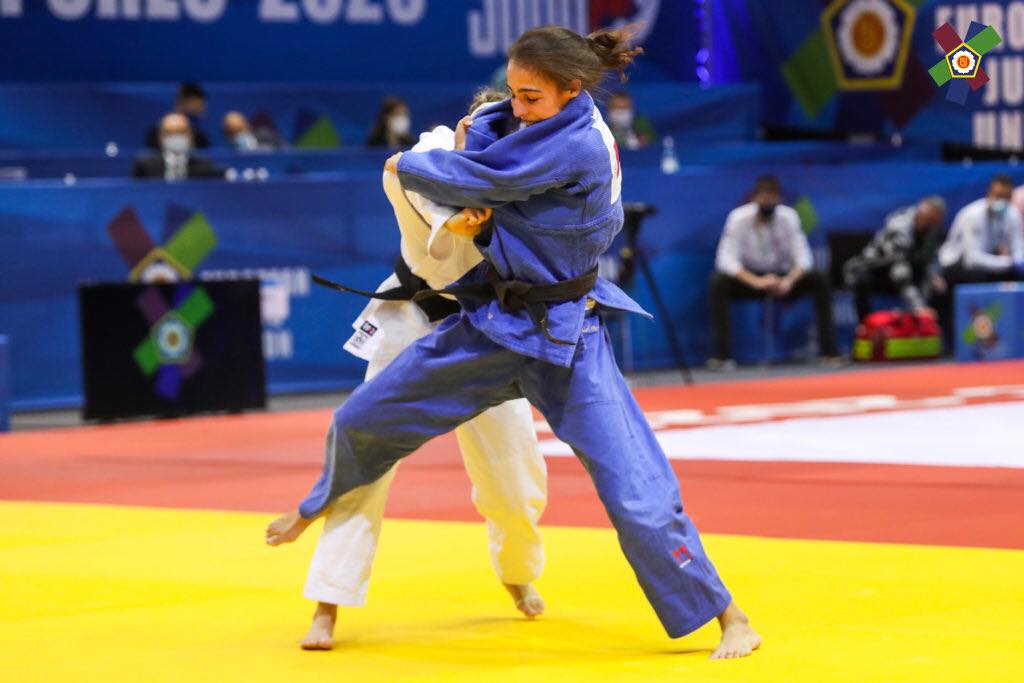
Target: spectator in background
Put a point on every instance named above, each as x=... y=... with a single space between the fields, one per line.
x=985 y=244
x=630 y=131
x=175 y=160
x=393 y=125
x=239 y=133
x=191 y=103
x=900 y=259
x=764 y=253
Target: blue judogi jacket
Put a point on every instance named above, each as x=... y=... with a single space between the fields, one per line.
x=554 y=187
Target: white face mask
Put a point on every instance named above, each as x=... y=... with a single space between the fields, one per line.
x=998 y=206
x=246 y=141
x=620 y=118
x=177 y=143
x=399 y=125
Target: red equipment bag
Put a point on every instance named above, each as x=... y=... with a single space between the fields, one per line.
x=896 y=335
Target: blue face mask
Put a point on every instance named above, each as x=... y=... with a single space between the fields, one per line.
x=998 y=206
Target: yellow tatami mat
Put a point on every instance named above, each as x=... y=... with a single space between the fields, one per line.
x=94 y=593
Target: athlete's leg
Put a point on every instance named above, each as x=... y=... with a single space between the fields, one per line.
x=503 y=460
x=590 y=407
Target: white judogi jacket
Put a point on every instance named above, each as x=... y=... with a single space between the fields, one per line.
x=385 y=328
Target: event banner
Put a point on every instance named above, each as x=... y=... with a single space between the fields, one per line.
x=875 y=65
x=315 y=40
x=57 y=237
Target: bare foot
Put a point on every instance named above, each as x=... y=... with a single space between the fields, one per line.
x=528 y=600
x=321 y=631
x=286 y=528
x=738 y=638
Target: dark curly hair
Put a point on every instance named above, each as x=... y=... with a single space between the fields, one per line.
x=565 y=56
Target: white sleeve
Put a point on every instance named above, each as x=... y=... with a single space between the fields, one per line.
x=727 y=258
x=433 y=213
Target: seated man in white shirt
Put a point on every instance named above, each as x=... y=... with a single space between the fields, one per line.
x=985 y=244
x=764 y=253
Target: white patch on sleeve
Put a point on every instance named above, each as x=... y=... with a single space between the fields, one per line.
x=613 y=154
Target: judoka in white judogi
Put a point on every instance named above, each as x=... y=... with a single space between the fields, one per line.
x=499 y=447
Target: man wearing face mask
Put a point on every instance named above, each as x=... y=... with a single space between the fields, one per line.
x=175 y=160
x=393 y=125
x=190 y=103
x=985 y=244
x=900 y=258
x=630 y=131
x=764 y=253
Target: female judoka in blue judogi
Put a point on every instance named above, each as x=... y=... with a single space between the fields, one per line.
x=531 y=326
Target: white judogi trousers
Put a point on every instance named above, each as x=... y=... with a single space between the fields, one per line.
x=499 y=447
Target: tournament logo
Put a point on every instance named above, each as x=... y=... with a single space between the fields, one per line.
x=868 y=42
x=860 y=47
x=187 y=239
x=961 y=67
x=982 y=328
x=168 y=351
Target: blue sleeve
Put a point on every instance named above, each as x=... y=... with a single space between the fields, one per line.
x=478 y=179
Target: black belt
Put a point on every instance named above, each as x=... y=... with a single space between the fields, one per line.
x=512 y=295
x=435 y=306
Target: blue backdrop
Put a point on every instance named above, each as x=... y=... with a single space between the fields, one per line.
x=312 y=41
x=86 y=116
x=55 y=236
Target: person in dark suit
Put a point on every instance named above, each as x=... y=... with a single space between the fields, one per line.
x=190 y=102
x=175 y=160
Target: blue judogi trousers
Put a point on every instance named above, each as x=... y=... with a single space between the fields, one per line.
x=456 y=372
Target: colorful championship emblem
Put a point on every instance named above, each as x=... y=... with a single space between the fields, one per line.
x=982 y=328
x=868 y=42
x=187 y=240
x=961 y=67
x=860 y=46
x=168 y=351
